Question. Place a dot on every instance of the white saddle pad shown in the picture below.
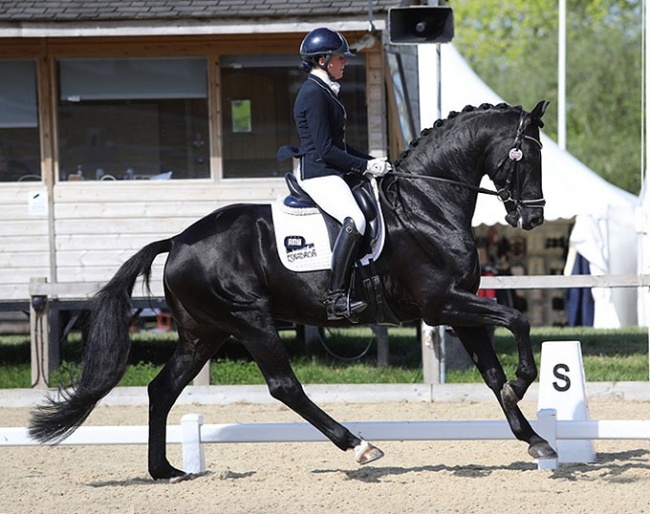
(302, 239)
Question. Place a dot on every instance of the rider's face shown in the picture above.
(336, 66)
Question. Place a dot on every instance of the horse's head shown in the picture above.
(515, 167)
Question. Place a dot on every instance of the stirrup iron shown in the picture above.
(339, 306)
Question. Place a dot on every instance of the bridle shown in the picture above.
(514, 156)
(505, 193)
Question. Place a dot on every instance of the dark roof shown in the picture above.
(129, 10)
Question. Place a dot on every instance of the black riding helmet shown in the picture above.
(323, 42)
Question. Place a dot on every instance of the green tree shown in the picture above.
(513, 46)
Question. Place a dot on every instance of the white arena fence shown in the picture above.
(192, 434)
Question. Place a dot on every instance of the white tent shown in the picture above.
(604, 231)
(643, 254)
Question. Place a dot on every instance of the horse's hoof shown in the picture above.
(508, 396)
(542, 450)
(167, 472)
(181, 478)
(187, 476)
(365, 452)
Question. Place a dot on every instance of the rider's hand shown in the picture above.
(378, 167)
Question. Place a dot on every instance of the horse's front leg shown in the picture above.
(467, 309)
(270, 355)
(476, 341)
(526, 372)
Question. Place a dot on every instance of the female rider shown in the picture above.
(325, 158)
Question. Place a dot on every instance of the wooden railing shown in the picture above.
(45, 353)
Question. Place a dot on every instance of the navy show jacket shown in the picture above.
(321, 122)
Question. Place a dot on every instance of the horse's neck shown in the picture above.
(438, 203)
(441, 230)
(453, 153)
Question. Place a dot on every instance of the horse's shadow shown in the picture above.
(147, 481)
(609, 467)
(376, 474)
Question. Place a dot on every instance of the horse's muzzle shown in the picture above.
(526, 218)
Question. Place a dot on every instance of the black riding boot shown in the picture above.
(345, 251)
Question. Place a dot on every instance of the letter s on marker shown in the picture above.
(559, 372)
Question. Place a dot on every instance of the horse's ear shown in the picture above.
(536, 114)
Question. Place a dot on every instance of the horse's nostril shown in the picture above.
(537, 220)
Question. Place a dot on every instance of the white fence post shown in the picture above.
(430, 343)
(203, 377)
(193, 456)
(547, 428)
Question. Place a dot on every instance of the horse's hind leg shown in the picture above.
(270, 355)
(190, 356)
(476, 341)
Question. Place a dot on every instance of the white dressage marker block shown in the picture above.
(193, 456)
(562, 387)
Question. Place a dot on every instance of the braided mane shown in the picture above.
(453, 116)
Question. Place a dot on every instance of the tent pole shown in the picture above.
(561, 77)
(645, 155)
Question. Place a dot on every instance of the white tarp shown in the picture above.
(604, 232)
(643, 254)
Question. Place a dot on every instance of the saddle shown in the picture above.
(363, 192)
(305, 235)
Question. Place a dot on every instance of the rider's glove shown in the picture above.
(378, 167)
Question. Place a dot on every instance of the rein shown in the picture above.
(504, 194)
(447, 181)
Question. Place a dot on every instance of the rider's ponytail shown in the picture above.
(306, 66)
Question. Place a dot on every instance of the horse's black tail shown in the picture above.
(106, 351)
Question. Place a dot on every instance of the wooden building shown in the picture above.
(122, 122)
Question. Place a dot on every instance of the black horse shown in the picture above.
(223, 277)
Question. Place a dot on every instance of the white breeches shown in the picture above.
(333, 195)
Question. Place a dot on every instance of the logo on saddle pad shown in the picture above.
(297, 248)
(302, 239)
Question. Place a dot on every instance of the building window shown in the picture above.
(124, 119)
(240, 111)
(20, 155)
(261, 90)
